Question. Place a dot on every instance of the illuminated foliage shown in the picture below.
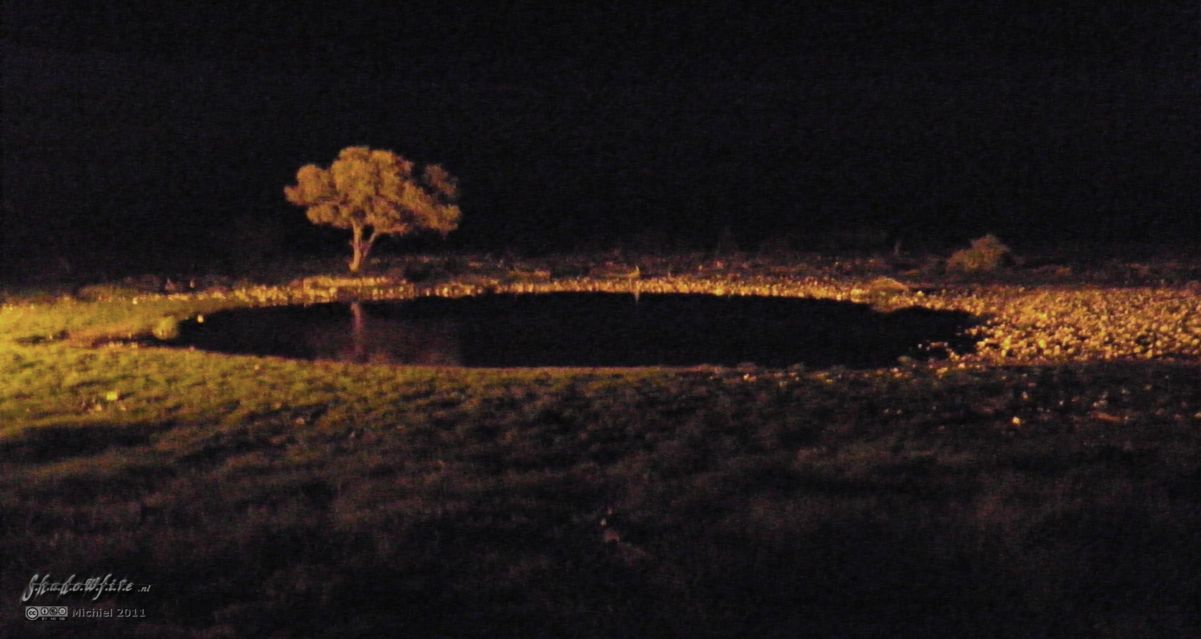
(373, 193)
(986, 255)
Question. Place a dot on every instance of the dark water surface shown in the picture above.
(583, 329)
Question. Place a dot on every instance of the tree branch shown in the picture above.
(372, 238)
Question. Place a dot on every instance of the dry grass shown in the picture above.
(1027, 490)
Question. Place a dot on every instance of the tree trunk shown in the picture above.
(360, 246)
(356, 245)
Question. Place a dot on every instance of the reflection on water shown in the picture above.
(382, 340)
(570, 329)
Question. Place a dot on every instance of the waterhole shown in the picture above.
(585, 329)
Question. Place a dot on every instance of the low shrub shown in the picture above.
(985, 255)
(886, 286)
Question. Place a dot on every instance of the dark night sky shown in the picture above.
(155, 129)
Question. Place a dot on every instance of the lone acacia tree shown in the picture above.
(377, 192)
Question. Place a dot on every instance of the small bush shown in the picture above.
(985, 255)
(886, 286)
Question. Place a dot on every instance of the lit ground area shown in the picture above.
(1041, 484)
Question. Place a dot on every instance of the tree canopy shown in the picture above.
(376, 191)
